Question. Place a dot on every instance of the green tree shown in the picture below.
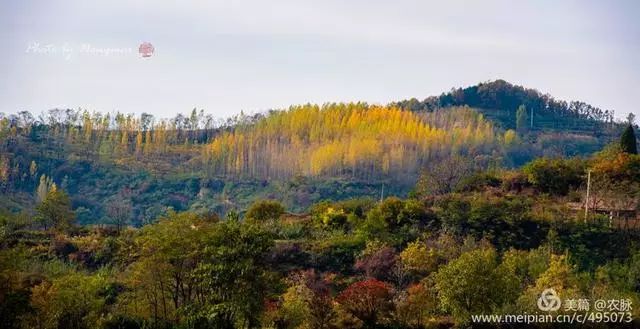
(556, 176)
(232, 277)
(473, 284)
(74, 300)
(628, 141)
(161, 279)
(521, 119)
(15, 289)
(419, 258)
(559, 276)
(265, 210)
(55, 210)
(295, 310)
(307, 303)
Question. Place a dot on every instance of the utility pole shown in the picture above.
(586, 204)
(532, 118)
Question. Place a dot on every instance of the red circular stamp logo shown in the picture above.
(146, 49)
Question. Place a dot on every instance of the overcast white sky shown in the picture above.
(227, 56)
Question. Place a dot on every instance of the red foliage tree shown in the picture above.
(367, 300)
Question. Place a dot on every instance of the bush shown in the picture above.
(123, 322)
(506, 222)
(336, 254)
(477, 182)
(555, 176)
(514, 181)
(287, 255)
(265, 210)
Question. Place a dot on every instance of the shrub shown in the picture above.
(477, 182)
(265, 210)
(555, 176)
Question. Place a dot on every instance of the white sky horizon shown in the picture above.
(252, 56)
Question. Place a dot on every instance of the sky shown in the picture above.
(228, 56)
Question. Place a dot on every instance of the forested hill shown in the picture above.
(299, 155)
(499, 100)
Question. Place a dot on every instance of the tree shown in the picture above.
(162, 279)
(295, 310)
(4, 171)
(628, 140)
(329, 217)
(265, 210)
(55, 210)
(74, 300)
(368, 300)
(614, 180)
(120, 213)
(521, 269)
(441, 177)
(419, 258)
(510, 137)
(416, 305)
(320, 303)
(378, 264)
(472, 284)
(33, 168)
(352, 139)
(307, 302)
(138, 148)
(559, 276)
(521, 119)
(232, 277)
(15, 289)
(556, 176)
(44, 187)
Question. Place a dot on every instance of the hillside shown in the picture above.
(503, 236)
(300, 155)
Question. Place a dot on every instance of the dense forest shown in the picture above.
(348, 140)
